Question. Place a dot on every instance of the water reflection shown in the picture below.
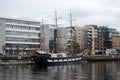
(83, 71)
(14, 72)
(61, 72)
(80, 71)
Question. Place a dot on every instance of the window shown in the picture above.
(17, 27)
(25, 28)
(22, 45)
(9, 26)
(114, 42)
(22, 33)
(21, 39)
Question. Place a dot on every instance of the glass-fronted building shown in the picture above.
(19, 36)
(47, 43)
(105, 35)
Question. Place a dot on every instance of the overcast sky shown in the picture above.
(98, 12)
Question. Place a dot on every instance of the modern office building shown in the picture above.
(66, 36)
(19, 36)
(48, 34)
(63, 40)
(71, 32)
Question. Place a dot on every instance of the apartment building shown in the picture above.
(115, 42)
(19, 36)
(87, 37)
(105, 37)
(95, 38)
(80, 31)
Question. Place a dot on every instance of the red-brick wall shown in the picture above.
(116, 42)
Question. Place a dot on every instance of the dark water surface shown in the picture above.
(79, 71)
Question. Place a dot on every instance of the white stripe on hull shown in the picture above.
(63, 60)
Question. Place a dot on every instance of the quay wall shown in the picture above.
(101, 57)
(16, 58)
(85, 57)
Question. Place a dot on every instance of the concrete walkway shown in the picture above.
(16, 63)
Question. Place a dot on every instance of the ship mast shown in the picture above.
(43, 37)
(71, 33)
(71, 24)
(71, 19)
(55, 34)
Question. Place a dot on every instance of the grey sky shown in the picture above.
(98, 12)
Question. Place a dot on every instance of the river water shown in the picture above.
(79, 71)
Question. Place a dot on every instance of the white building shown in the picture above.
(19, 36)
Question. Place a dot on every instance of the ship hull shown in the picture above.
(43, 60)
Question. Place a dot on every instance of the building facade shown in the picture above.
(80, 31)
(87, 37)
(63, 40)
(115, 42)
(19, 36)
(66, 37)
(47, 41)
(105, 37)
(95, 38)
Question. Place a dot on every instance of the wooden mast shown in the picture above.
(43, 37)
(71, 32)
(71, 23)
(55, 34)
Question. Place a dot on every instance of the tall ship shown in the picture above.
(45, 58)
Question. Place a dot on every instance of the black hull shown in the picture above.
(43, 60)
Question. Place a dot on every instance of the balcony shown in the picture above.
(70, 39)
(14, 48)
(22, 24)
(16, 36)
(11, 42)
(20, 30)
